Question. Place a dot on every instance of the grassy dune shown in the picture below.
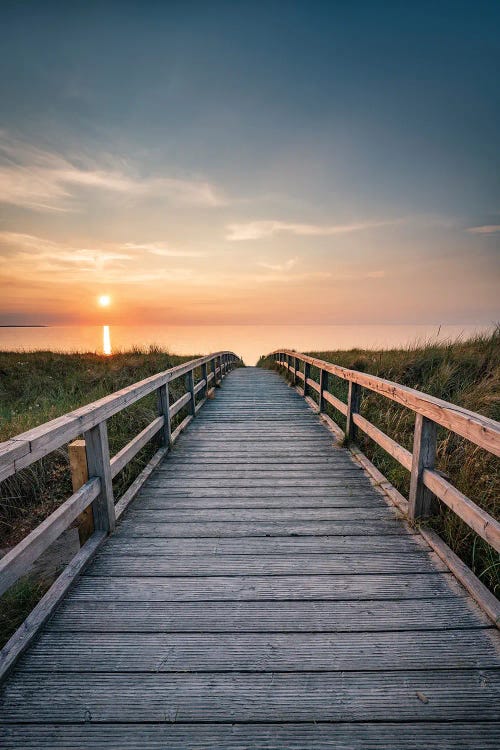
(36, 387)
(466, 373)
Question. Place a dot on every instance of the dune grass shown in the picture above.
(36, 387)
(466, 373)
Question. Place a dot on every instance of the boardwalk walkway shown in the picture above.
(259, 593)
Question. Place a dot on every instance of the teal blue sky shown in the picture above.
(250, 162)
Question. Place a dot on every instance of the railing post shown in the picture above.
(204, 375)
(295, 370)
(79, 475)
(323, 386)
(97, 448)
(213, 366)
(353, 404)
(164, 410)
(307, 372)
(190, 389)
(424, 456)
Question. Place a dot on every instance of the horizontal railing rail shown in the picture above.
(93, 471)
(426, 482)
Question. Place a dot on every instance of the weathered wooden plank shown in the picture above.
(257, 652)
(162, 499)
(273, 736)
(120, 565)
(265, 545)
(438, 613)
(253, 588)
(255, 482)
(274, 528)
(461, 695)
(257, 515)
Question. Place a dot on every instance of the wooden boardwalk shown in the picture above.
(259, 593)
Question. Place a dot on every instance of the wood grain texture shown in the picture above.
(259, 593)
(274, 736)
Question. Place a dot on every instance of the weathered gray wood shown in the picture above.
(487, 601)
(98, 462)
(121, 565)
(164, 411)
(47, 604)
(348, 696)
(323, 386)
(268, 652)
(224, 597)
(307, 370)
(271, 528)
(179, 404)
(122, 458)
(271, 736)
(353, 403)
(136, 485)
(265, 545)
(204, 377)
(253, 588)
(190, 390)
(18, 560)
(442, 613)
(257, 515)
(424, 454)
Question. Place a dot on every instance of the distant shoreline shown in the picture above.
(25, 326)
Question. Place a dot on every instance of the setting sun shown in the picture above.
(104, 300)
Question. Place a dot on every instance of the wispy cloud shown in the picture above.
(484, 229)
(161, 249)
(46, 181)
(28, 255)
(279, 267)
(256, 230)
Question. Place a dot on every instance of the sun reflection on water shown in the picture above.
(106, 340)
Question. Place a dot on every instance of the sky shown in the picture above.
(250, 162)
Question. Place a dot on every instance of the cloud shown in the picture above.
(45, 181)
(485, 229)
(256, 230)
(279, 267)
(28, 255)
(161, 249)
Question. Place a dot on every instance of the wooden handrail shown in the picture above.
(91, 421)
(480, 430)
(430, 411)
(28, 447)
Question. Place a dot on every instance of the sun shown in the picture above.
(104, 300)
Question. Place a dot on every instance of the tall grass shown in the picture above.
(466, 373)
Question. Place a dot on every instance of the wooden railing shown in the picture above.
(91, 464)
(425, 481)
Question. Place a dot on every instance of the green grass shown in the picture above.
(466, 373)
(36, 387)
